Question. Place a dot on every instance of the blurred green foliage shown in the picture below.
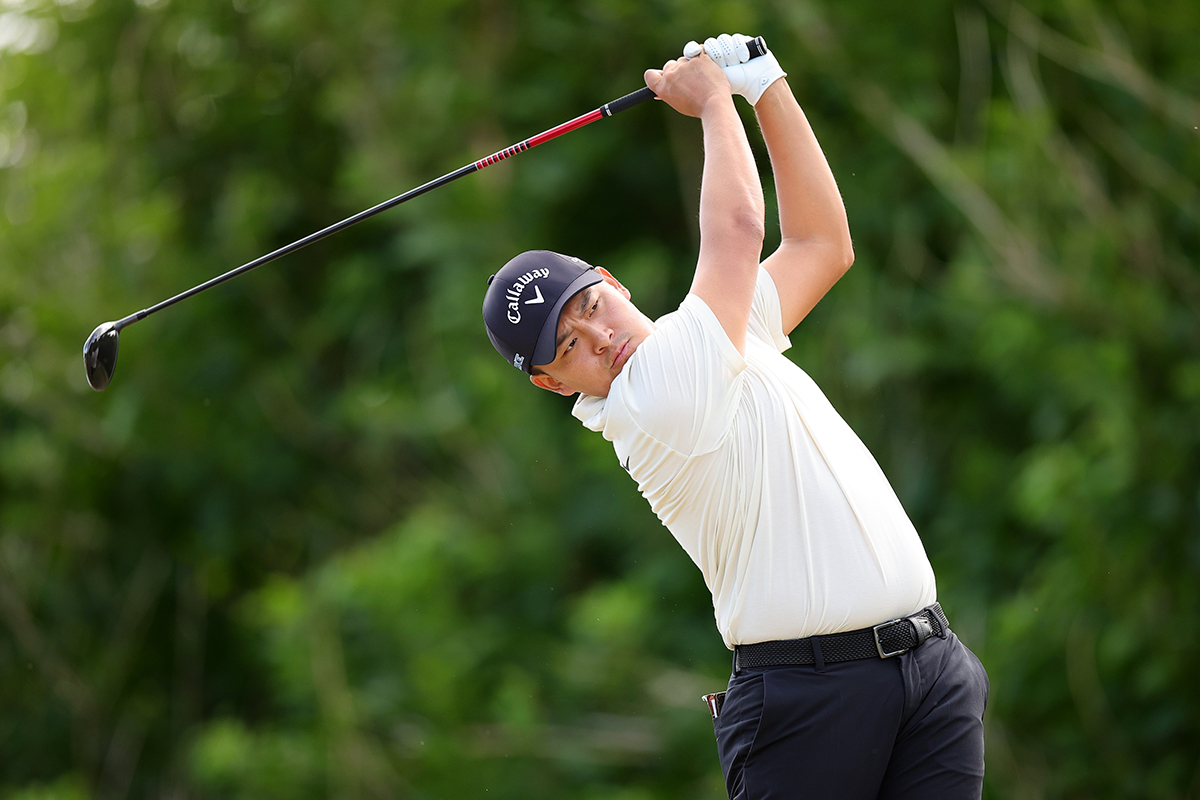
(318, 540)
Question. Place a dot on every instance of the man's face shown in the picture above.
(598, 331)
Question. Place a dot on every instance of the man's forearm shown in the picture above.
(731, 197)
(810, 206)
(815, 248)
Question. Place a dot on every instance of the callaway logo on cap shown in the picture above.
(524, 300)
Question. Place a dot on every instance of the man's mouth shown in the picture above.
(622, 352)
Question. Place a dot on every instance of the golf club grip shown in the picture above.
(757, 47)
(628, 101)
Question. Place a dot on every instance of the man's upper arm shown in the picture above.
(725, 276)
(803, 272)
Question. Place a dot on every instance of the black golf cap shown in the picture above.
(524, 300)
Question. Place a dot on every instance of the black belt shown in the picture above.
(884, 640)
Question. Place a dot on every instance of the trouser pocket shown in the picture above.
(736, 726)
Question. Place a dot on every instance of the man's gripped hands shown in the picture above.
(690, 87)
(748, 77)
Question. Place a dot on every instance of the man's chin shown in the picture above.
(596, 391)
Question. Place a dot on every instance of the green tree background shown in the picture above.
(318, 540)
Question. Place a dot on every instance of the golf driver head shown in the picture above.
(100, 355)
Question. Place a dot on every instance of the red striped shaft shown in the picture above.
(545, 136)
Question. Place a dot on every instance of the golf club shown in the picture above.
(100, 349)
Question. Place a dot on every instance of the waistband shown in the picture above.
(885, 640)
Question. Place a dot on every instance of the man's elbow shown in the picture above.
(845, 258)
(839, 252)
(749, 226)
(737, 231)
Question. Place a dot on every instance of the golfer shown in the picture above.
(847, 680)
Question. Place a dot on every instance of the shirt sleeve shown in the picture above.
(685, 381)
(766, 316)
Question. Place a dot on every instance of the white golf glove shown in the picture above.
(747, 77)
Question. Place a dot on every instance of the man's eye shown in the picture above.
(594, 306)
(570, 345)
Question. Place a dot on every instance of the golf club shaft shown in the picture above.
(756, 46)
(606, 110)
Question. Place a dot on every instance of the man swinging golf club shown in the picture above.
(847, 681)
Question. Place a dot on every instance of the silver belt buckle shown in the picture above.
(879, 646)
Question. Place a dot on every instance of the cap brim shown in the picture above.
(546, 347)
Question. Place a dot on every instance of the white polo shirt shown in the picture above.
(781, 506)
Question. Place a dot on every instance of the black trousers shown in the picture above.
(903, 727)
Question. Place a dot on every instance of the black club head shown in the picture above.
(100, 356)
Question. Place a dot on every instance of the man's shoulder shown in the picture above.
(614, 415)
(678, 385)
(765, 321)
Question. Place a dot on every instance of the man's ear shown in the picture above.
(613, 282)
(544, 381)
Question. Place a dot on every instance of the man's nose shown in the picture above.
(600, 334)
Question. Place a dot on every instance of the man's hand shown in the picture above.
(747, 77)
(689, 86)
